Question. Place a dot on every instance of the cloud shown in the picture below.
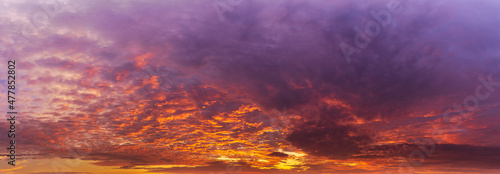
(169, 78)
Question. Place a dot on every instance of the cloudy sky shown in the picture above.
(253, 86)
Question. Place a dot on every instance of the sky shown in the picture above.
(252, 86)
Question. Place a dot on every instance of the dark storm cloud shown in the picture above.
(393, 77)
(444, 155)
(325, 137)
(466, 156)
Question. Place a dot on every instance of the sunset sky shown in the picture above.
(252, 86)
